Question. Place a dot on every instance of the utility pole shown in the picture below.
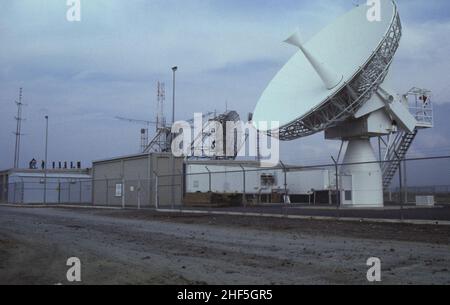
(174, 69)
(18, 132)
(46, 159)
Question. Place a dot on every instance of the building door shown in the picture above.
(347, 190)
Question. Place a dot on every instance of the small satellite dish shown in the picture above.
(338, 82)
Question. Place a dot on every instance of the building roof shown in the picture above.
(127, 157)
(223, 162)
(40, 174)
(248, 163)
(37, 172)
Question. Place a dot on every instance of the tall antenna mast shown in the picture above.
(144, 139)
(161, 98)
(18, 132)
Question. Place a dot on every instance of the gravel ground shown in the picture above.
(142, 247)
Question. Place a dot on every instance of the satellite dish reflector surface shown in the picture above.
(329, 77)
(333, 74)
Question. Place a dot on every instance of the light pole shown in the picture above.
(45, 162)
(174, 69)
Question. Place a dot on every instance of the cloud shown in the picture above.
(86, 73)
(423, 60)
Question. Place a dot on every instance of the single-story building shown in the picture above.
(260, 185)
(32, 186)
(141, 180)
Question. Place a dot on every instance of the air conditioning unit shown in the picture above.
(425, 201)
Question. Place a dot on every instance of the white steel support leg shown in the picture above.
(367, 184)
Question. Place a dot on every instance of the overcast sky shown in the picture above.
(83, 74)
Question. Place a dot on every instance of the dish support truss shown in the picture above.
(353, 94)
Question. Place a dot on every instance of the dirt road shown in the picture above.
(131, 247)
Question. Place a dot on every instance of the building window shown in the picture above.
(267, 180)
(118, 190)
(348, 196)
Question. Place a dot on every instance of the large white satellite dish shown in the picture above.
(359, 50)
(336, 83)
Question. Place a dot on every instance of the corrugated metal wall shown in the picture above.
(135, 177)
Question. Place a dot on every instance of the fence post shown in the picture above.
(209, 176)
(405, 178)
(156, 191)
(244, 199)
(338, 194)
(285, 199)
(400, 188)
(181, 187)
(81, 191)
(123, 193)
(336, 168)
(69, 185)
(139, 193)
(59, 191)
(22, 194)
(107, 191)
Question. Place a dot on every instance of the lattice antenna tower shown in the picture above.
(18, 132)
(161, 98)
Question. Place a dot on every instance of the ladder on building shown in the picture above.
(395, 153)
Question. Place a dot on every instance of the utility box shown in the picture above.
(425, 201)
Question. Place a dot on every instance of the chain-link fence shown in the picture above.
(160, 192)
(413, 188)
(420, 178)
(124, 193)
(54, 191)
(320, 190)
